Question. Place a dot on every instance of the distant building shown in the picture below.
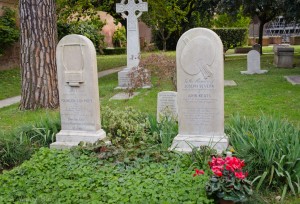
(277, 27)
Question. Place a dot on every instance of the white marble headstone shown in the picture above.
(200, 89)
(167, 105)
(78, 92)
(253, 63)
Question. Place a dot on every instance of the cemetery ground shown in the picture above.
(137, 168)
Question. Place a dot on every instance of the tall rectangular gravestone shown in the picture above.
(200, 91)
(78, 92)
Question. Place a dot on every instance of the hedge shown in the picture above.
(231, 37)
(114, 51)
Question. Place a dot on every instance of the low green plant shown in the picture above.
(164, 131)
(125, 127)
(271, 148)
(53, 176)
(228, 181)
(18, 145)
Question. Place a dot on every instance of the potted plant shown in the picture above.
(228, 182)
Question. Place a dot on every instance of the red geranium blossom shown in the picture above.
(198, 172)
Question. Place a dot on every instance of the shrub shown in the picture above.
(270, 148)
(119, 37)
(9, 32)
(86, 28)
(53, 176)
(125, 127)
(231, 37)
(114, 51)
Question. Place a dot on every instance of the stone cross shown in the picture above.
(128, 11)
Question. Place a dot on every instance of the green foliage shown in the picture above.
(79, 17)
(165, 130)
(9, 32)
(271, 149)
(228, 21)
(125, 127)
(231, 37)
(119, 37)
(18, 145)
(114, 51)
(53, 176)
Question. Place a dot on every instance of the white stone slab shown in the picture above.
(200, 89)
(78, 92)
(295, 80)
(253, 63)
(167, 105)
(123, 96)
(229, 83)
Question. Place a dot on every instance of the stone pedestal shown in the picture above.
(283, 56)
(127, 78)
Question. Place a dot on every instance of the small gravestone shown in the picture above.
(78, 92)
(200, 91)
(131, 11)
(253, 63)
(283, 56)
(256, 47)
(295, 80)
(167, 105)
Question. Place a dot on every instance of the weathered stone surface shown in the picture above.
(200, 87)
(167, 105)
(295, 80)
(78, 92)
(283, 56)
(253, 63)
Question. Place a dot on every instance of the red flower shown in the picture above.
(217, 170)
(233, 163)
(217, 162)
(239, 175)
(198, 172)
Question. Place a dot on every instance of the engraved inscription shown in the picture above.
(167, 105)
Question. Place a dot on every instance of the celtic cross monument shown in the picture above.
(131, 11)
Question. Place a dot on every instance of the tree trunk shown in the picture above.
(260, 34)
(164, 44)
(38, 50)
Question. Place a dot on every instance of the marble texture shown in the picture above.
(78, 92)
(200, 89)
(253, 63)
(131, 11)
(167, 105)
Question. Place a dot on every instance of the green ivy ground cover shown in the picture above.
(53, 176)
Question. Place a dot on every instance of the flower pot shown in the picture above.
(221, 201)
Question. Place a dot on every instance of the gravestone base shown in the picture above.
(124, 79)
(70, 138)
(256, 72)
(185, 143)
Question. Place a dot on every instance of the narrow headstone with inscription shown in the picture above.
(253, 63)
(167, 105)
(131, 11)
(200, 91)
(78, 92)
